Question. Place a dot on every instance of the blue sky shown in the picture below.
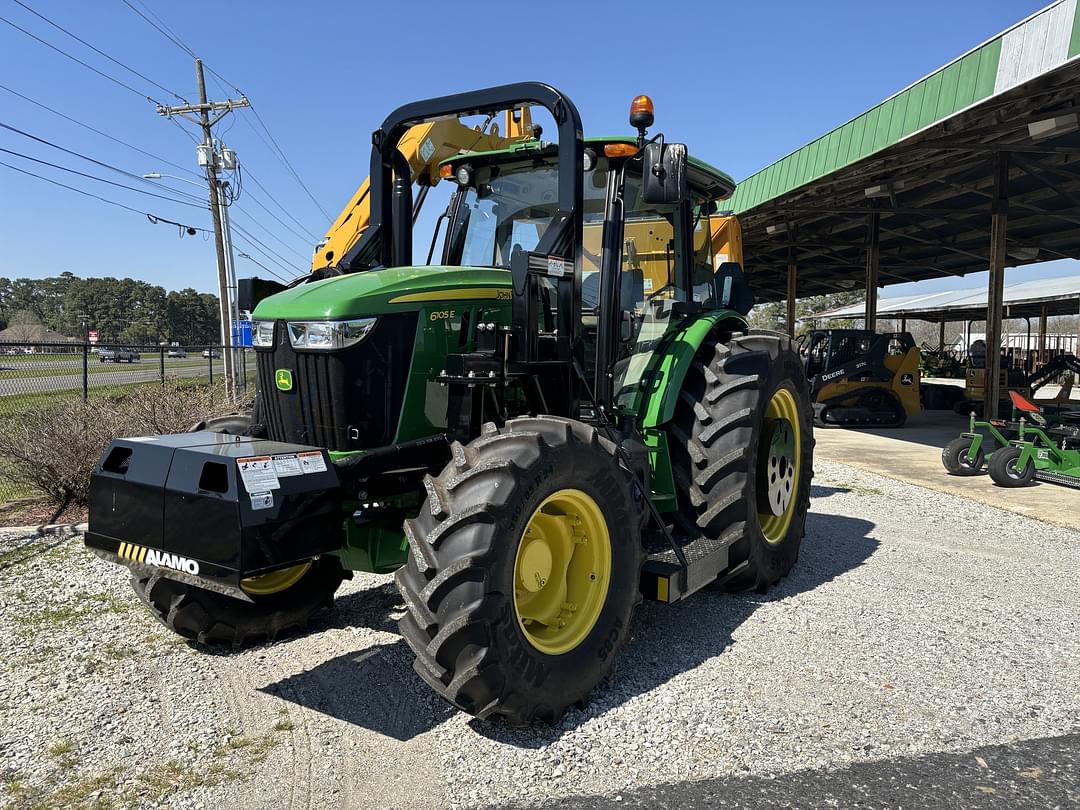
(742, 84)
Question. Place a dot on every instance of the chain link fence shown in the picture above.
(33, 375)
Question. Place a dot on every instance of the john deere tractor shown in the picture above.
(562, 414)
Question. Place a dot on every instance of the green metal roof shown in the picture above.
(1025, 51)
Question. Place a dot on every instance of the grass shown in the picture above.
(82, 606)
(61, 747)
(120, 787)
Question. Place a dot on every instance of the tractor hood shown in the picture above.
(372, 292)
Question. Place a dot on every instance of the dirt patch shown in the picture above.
(37, 513)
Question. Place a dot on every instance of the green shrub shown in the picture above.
(52, 449)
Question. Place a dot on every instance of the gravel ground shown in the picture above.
(914, 623)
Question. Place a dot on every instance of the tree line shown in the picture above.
(120, 310)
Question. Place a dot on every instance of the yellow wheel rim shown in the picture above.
(275, 581)
(562, 570)
(779, 465)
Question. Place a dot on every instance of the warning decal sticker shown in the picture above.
(287, 465)
(258, 473)
(311, 462)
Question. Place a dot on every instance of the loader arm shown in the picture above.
(424, 146)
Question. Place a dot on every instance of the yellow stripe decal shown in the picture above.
(122, 551)
(662, 589)
(142, 554)
(454, 295)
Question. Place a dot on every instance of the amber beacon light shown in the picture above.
(641, 113)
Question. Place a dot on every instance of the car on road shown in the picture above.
(211, 354)
(176, 354)
(118, 356)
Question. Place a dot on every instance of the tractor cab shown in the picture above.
(662, 257)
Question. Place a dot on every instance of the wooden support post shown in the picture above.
(999, 223)
(873, 257)
(1043, 353)
(941, 336)
(792, 270)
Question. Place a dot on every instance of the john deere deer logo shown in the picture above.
(283, 379)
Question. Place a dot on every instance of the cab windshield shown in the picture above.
(508, 208)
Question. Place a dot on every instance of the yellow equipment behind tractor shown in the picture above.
(862, 379)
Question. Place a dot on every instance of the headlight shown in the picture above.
(262, 333)
(329, 334)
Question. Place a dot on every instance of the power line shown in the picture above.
(90, 67)
(154, 218)
(95, 161)
(289, 165)
(99, 132)
(103, 180)
(100, 52)
(275, 274)
(272, 144)
(303, 238)
(162, 29)
(284, 244)
(284, 263)
(243, 242)
(273, 199)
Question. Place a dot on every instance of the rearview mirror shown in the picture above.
(664, 174)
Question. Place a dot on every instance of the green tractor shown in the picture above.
(566, 412)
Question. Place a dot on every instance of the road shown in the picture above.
(69, 376)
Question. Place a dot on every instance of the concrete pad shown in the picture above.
(913, 454)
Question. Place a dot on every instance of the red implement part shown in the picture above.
(1022, 403)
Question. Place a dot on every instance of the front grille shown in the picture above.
(342, 400)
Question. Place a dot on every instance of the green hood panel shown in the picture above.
(371, 292)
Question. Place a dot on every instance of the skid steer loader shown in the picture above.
(862, 379)
(530, 460)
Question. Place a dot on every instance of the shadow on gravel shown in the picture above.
(377, 689)
(821, 491)
(667, 640)
(1033, 773)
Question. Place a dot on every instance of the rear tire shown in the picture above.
(1003, 469)
(464, 584)
(212, 618)
(956, 459)
(720, 452)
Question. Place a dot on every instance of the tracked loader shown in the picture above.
(862, 379)
(563, 413)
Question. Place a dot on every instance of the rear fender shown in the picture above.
(674, 362)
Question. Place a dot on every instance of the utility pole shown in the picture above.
(209, 158)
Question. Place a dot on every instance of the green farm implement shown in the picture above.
(563, 413)
(1025, 451)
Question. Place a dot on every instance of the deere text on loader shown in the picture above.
(564, 414)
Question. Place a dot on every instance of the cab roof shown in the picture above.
(715, 184)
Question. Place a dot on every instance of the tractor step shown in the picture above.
(664, 579)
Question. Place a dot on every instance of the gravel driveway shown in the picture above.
(914, 625)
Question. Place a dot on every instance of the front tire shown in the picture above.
(1004, 470)
(957, 459)
(742, 454)
(283, 602)
(524, 569)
